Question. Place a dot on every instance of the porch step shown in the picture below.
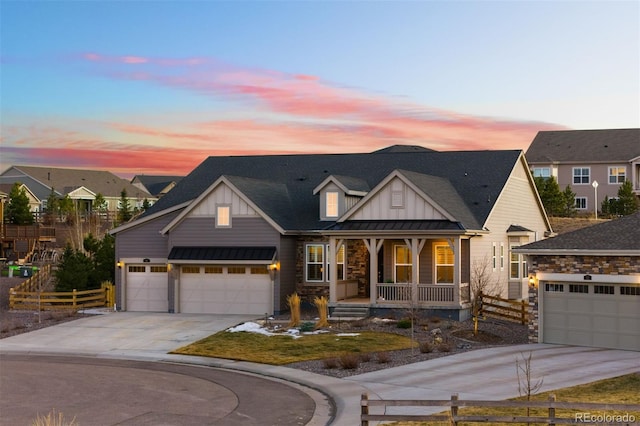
(350, 312)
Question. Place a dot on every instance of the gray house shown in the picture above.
(586, 286)
(384, 230)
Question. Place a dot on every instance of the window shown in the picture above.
(581, 203)
(501, 256)
(578, 288)
(223, 216)
(236, 270)
(581, 175)
(159, 268)
(213, 269)
(603, 289)
(444, 264)
(190, 269)
(554, 288)
(332, 204)
(493, 255)
(397, 199)
(402, 264)
(617, 174)
(137, 269)
(517, 265)
(259, 270)
(543, 172)
(317, 264)
(630, 291)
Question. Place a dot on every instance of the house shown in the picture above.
(34, 201)
(80, 185)
(594, 162)
(156, 185)
(389, 229)
(586, 286)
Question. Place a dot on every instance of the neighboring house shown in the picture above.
(156, 185)
(393, 229)
(586, 286)
(80, 185)
(582, 157)
(34, 202)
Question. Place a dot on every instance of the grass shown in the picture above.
(618, 390)
(281, 350)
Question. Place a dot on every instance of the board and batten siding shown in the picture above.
(285, 283)
(244, 231)
(145, 240)
(222, 195)
(415, 207)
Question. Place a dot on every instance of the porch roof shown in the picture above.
(224, 254)
(394, 226)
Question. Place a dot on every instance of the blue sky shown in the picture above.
(156, 86)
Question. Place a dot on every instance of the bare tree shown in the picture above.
(482, 280)
(526, 386)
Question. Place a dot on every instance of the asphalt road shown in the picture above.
(101, 392)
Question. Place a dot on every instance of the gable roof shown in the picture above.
(477, 176)
(619, 235)
(350, 185)
(593, 146)
(63, 181)
(155, 184)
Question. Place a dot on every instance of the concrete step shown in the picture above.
(350, 312)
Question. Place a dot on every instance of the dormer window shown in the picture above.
(223, 217)
(332, 204)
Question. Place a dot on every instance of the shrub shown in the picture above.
(384, 357)
(330, 363)
(365, 357)
(350, 361)
(53, 419)
(444, 347)
(404, 323)
(307, 327)
(425, 347)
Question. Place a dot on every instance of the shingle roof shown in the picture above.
(478, 177)
(66, 180)
(256, 254)
(619, 234)
(610, 145)
(155, 184)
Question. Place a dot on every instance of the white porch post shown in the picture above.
(416, 245)
(373, 246)
(457, 270)
(333, 270)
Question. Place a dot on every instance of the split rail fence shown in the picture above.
(583, 412)
(30, 295)
(504, 308)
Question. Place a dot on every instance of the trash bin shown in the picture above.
(14, 271)
(26, 271)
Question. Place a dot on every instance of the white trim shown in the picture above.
(148, 218)
(595, 278)
(566, 252)
(336, 181)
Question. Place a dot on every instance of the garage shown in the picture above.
(225, 289)
(605, 315)
(147, 288)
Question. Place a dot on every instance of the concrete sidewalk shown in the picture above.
(481, 374)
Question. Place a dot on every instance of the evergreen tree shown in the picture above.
(145, 205)
(606, 207)
(627, 201)
(569, 198)
(124, 211)
(550, 195)
(74, 271)
(104, 259)
(67, 209)
(53, 207)
(18, 210)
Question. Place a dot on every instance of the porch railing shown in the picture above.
(427, 293)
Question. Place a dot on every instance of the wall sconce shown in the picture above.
(532, 280)
(120, 264)
(272, 270)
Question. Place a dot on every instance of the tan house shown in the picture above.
(594, 162)
(380, 231)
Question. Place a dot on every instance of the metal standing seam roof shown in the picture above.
(282, 185)
(256, 254)
(397, 225)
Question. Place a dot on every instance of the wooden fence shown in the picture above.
(504, 308)
(31, 295)
(583, 411)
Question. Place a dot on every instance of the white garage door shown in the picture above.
(598, 315)
(147, 288)
(235, 289)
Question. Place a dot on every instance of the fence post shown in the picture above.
(523, 312)
(364, 409)
(12, 296)
(74, 299)
(454, 409)
(552, 409)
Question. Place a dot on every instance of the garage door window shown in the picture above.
(137, 269)
(578, 288)
(554, 288)
(213, 269)
(603, 289)
(630, 291)
(259, 270)
(159, 268)
(190, 269)
(236, 270)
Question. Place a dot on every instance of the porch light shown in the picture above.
(272, 270)
(532, 280)
(120, 264)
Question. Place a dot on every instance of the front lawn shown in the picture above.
(284, 349)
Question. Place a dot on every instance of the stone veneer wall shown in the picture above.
(572, 264)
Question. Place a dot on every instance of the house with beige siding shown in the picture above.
(396, 228)
(594, 162)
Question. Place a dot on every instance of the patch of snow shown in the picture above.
(347, 334)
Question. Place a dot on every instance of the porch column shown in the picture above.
(373, 246)
(457, 270)
(416, 245)
(333, 270)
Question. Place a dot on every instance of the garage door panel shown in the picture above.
(608, 318)
(146, 291)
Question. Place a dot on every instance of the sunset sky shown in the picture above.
(154, 87)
